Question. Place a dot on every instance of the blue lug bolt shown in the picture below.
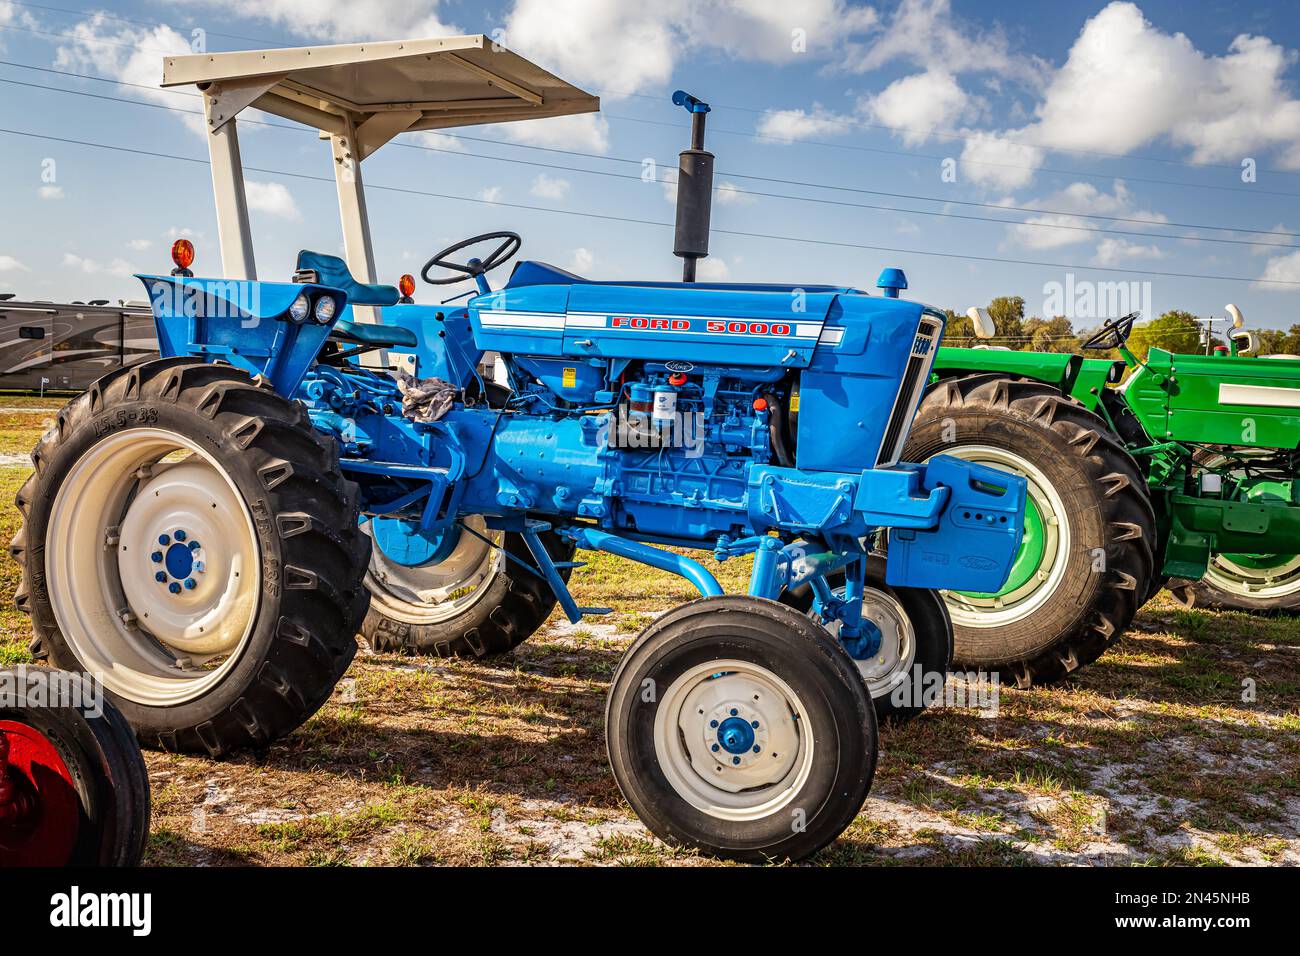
(735, 760)
(164, 540)
(713, 723)
(194, 546)
(174, 587)
(179, 535)
(156, 557)
(734, 712)
(160, 577)
(756, 748)
(754, 724)
(715, 748)
(190, 584)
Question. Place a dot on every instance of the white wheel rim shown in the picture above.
(158, 641)
(1282, 580)
(435, 593)
(693, 719)
(970, 611)
(1256, 583)
(892, 662)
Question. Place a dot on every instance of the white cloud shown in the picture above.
(1113, 252)
(926, 32)
(712, 269)
(1281, 269)
(437, 140)
(274, 199)
(10, 264)
(182, 232)
(139, 245)
(549, 187)
(1127, 84)
(130, 54)
(917, 104)
(729, 194)
(787, 126)
(343, 21)
(50, 192)
(627, 46)
(990, 160)
(490, 194)
(582, 131)
(1068, 208)
(118, 267)
(581, 261)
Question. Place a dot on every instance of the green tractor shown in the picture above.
(1182, 474)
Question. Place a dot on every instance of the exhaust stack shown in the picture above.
(694, 189)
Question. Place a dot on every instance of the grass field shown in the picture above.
(1150, 756)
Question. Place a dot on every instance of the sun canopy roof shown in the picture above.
(359, 95)
(393, 86)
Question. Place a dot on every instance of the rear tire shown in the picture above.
(737, 726)
(1098, 528)
(237, 656)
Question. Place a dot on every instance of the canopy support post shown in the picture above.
(233, 232)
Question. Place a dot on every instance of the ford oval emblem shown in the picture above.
(977, 562)
(679, 366)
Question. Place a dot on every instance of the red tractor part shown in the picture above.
(74, 790)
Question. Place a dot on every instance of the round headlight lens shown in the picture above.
(298, 311)
(325, 307)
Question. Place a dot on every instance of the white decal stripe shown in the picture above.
(1267, 395)
(832, 336)
(511, 320)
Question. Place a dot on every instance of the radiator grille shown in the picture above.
(915, 378)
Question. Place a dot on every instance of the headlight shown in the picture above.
(325, 307)
(298, 311)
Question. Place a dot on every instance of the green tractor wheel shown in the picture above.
(1087, 558)
(1259, 583)
(1245, 582)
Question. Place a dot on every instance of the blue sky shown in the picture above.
(1134, 112)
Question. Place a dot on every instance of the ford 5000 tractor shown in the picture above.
(210, 530)
(1183, 474)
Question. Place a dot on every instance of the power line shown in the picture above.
(745, 192)
(605, 217)
(975, 162)
(762, 111)
(821, 144)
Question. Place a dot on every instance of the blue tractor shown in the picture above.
(311, 458)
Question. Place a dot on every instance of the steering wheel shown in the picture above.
(474, 267)
(1113, 333)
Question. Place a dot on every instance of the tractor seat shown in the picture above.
(333, 272)
(371, 333)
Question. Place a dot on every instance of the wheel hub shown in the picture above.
(176, 535)
(179, 563)
(731, 738)
(738, 735)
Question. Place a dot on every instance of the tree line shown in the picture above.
(1173, 331)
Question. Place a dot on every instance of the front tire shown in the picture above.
(914, 632)
(1087, 559)
(487, 603)
(737, 726)
(189, 536)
